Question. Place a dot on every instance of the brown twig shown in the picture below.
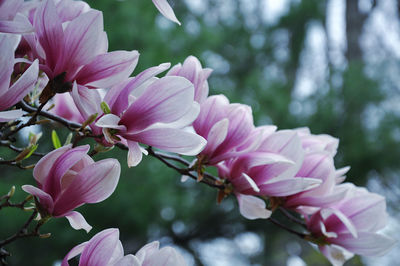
(209, 179)
(290, 230)
(69, 124)
(30, 122)
(16, 149)
(291, 217)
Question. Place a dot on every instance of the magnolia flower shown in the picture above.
(318, 165)
(105, 249)
(192, 70)
(267, 171)
(166, 10)
(322, 143)
(11, 21)
(350, 226)
(146, 110)
(13, 89)
(76, 51)
(225, 126)
(68, 178)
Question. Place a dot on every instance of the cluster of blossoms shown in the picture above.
(58, 49)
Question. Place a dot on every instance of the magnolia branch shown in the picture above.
(67, 123)
(24, 231)
(186, 168)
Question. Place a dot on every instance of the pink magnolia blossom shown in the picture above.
(147, 110)
(322, 143)
(13, 90)
(105, 249)
(76, 51)
(68, 178)
(166, 10)
(193, 71)
(11, 20)
(351, 226)
(268, 171)
(318, 165)
(225, 126)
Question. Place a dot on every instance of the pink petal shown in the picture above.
(9, 8)
(134, 154)
(166, 256)
(147, 250)
(77, 221)
(336, 254)
(316, 200)
(93, 184)
(250, 182)
(43, 167)
(21, 87)
(288, 144)
(240, 127)
(286, 187)
(7, 48)
(211, 111)
(367, 244)
(99, 249)
(186, 120)
(128, 260)
(166, 10)
(82, 38)
(75, 251)
(87, 101)
(217, 135)
(110, 121)
(68, 10)
(61, 166)
(253, 159)
(252, 207)
(117, 254)
(66, 108)
(6, 116)
(118, 96)
(46, 201)
(326, 212)
(171, 139)
(108, 69)
(340, 174)
(49, 32)
(165, 101)
(19, 25)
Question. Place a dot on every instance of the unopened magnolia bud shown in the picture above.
(11, 192)
(45, 235)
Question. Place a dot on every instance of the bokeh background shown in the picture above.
(330, 65)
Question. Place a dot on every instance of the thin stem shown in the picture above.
(16, 149)
(23, 231)
(173, 158)
(290, 230)
(17, 164)
(211, 181)
(7, 203)
(292, 217)
(31, 122)
(69, 124)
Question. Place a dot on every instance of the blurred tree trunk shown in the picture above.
(354, 26)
